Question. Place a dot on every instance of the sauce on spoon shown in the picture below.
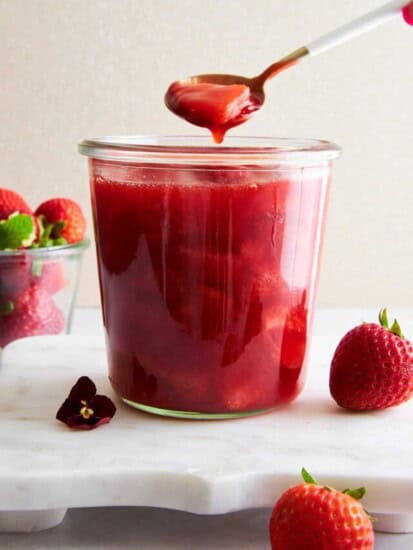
(221, 101)
(217, 107)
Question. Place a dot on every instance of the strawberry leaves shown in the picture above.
(383, 319)
(25, 231)
(50, 233)
(308, 478)
(357, 494)
(17, 231)
(384, 322)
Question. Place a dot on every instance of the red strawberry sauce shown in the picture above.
(213, 106)
(207, 276)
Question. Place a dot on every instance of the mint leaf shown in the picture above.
(16, 232)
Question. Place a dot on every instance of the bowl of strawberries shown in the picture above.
(40, 257)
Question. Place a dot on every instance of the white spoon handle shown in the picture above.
(356, 27)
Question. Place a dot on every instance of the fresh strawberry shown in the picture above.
(315, 517)
(372, 367)
(66, 218)
(248, 379)
(50, 276)
(11, 202)
(294, 343)
(15, 275)
(32, 313)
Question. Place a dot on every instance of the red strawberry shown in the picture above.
(315, 517)
(32, 313)
(52, 277)
(372, 367)
(249, 379)
(11, 202)
(15, 276)
(67, 217)
(294, 343)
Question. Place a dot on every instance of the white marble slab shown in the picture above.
(197, 466)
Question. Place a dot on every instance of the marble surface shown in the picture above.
(203, 467)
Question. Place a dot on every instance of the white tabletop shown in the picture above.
(149, 528)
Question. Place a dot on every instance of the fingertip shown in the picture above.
(408, 14)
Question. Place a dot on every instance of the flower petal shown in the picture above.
(79, 423)
(84, 389)
(81, 403)
(69, 408)
(102, 406)
(76, 420)
(102, 421)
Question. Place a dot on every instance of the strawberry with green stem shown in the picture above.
(50, 275)
(50, 234)
(63, 222)
(372, 367)
(310, 516)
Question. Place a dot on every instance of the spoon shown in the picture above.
(222, 101)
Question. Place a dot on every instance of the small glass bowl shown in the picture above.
(38, 290)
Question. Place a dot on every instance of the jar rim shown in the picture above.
(46, 252)
(239, 150)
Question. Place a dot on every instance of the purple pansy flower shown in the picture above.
(83, 409)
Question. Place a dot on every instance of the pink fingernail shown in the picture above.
(408, 14)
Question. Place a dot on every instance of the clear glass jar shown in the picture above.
(38, 290)
(208, 260)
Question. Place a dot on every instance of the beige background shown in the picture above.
(71, 69)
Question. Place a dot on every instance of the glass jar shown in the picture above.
(208, 261)
(38, 290)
